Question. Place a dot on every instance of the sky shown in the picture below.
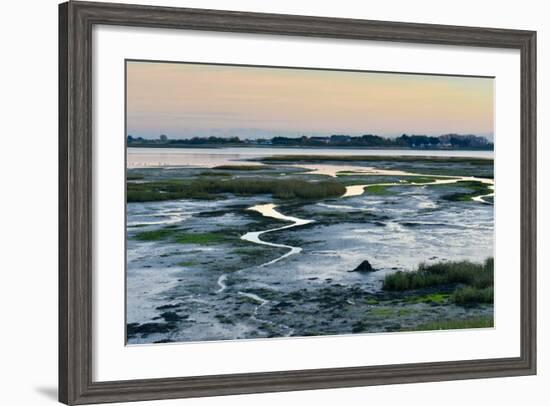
(183, 100)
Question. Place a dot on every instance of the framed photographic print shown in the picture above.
(259, 202)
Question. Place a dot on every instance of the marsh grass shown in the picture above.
(210, 188)
(475, 189)
(443, 273)
(432, 298)
(473, 283)
(182, 237)
(455, 324)
(379, 190)
(471, 295)
(200, 238)
(422, 179)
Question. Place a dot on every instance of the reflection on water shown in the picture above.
(208, 157)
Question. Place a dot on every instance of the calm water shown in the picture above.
(207, 157)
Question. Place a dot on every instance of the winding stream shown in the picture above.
(357, 190)
(268, 210)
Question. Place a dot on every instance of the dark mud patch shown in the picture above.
(143, 330)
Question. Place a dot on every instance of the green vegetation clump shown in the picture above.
(182, 237)
(166, 190)
(207, 188)
(456, 324)
(379, 190)
(442, 273)
(472, 295)
(199, 238)
(432, 298)
(475, 189)
(473, 282)
(422, 179)
(134, 177)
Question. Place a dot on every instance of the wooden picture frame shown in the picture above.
(76, 20)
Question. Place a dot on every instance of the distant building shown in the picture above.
(322, 140)
(338, 138)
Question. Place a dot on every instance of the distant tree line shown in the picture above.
(446, 141)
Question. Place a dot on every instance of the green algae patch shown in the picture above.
(455, 324)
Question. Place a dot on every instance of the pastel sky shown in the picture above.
(183, 100)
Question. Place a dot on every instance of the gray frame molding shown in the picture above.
(75, 199)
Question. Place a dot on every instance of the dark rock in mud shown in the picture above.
(283, 304)
(364, 266)
(411, 224)
(213, 213)
(223, 319)
(168, 306)
(172, 316)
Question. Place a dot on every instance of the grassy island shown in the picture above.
(206, 188)
(472, 282)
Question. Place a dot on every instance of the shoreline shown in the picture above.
(319, 147)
